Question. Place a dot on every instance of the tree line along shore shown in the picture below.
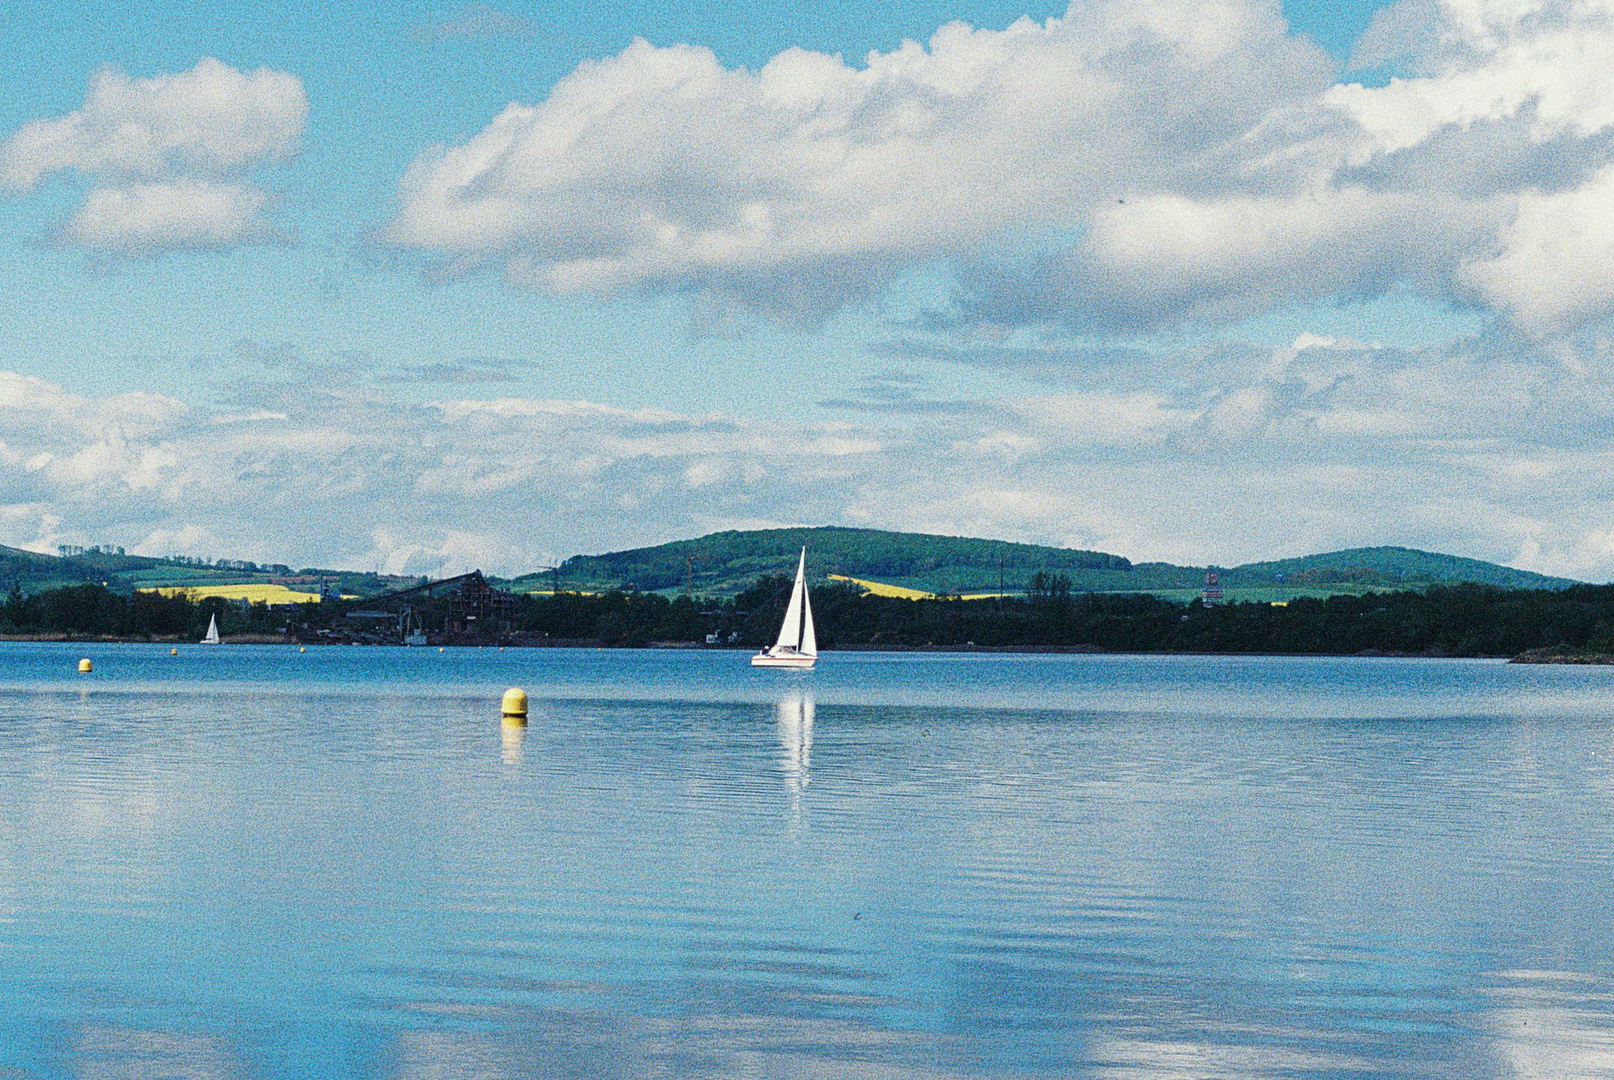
(1567, 625)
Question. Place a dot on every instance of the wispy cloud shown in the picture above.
(1476, 448)
(461, 371)
(899, 393)
(471, 21)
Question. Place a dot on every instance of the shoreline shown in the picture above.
(59, 636)
(1533, 656)
(1559, 655)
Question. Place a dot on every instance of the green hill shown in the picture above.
(32, 572)
(1388, 567)
(724, 563)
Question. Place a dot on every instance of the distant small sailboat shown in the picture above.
(797, 646)
(212, 637)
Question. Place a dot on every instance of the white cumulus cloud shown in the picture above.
(812, 181)
(1555, 266)
(165, 155)
(184, 213)
(1482, 179)
(1172, 161)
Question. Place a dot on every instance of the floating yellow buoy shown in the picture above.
(514, 705)
(439, 648)
(302, 648)
(84, 667)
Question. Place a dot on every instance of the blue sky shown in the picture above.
(1185, 281)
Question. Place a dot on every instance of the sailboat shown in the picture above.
(212, 637)
(797, 646)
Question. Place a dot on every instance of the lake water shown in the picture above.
(249, 862)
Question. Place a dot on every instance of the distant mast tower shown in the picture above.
(1211, 594)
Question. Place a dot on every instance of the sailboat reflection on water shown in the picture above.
(795, 725)
(795, 720)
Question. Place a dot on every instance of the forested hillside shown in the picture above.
(725, 563)
(30, 571)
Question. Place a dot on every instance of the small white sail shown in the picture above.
(809, 639)
(212, 637)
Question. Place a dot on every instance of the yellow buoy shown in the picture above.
(84, 667)
(439, 648)
(173, 652)
(302, 648)
(514, 705)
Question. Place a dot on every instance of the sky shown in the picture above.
(426, 287)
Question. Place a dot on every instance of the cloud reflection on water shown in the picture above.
(1124, 1058)
(1546, 1029)
(120, 1053)
(1547, 1026)
(596, 1046)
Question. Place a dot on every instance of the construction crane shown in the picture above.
(555, 585)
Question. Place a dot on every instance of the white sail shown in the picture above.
(790, 631)
(809, 639)
(212, 637)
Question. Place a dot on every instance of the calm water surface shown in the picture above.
(249, 862)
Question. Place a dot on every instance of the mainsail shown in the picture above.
(790, 631)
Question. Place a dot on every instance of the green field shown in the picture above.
(31, 572)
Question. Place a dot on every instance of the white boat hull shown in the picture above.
(784, 660)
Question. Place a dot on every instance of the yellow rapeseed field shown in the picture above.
(880, 588)
(257, 592)
(902, 592)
